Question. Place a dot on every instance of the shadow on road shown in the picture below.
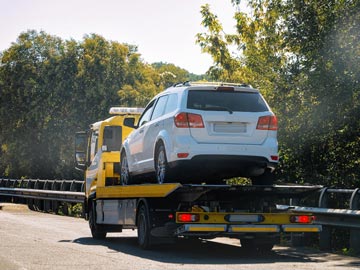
(199, 252)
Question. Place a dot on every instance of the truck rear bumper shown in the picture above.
(188, 229)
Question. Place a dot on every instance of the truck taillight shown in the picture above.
(302, 219)
(188, 217)
(188, 120)
(267, 123)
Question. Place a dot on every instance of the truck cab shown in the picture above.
(97, 150)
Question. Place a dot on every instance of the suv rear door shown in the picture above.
(230, 117)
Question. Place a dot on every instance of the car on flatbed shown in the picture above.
(202, 132)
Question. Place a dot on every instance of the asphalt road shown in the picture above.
(32, 240)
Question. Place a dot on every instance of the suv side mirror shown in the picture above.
(80, 150)
(130, 122)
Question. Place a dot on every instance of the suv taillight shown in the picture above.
(267, 123)
(188, 120)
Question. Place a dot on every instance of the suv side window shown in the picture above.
(171, 104)
(145, 117)
(159, 107)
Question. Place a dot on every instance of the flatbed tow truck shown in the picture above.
(161, 213)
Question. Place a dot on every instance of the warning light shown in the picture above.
(188, 217)
(302, 219)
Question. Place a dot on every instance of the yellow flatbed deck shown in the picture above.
(192, 192)
(136, 191)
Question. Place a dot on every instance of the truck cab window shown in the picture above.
(112, 138)
(93, 145)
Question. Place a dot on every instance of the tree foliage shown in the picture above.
(51, 88)
(305, 58)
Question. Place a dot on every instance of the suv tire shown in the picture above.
(125, 178)
(162, 169)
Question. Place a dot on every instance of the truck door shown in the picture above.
(93, 157)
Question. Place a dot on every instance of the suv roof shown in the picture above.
(189, 83)
(211, 86)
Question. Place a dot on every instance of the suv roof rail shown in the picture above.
(190, 83)
(179, 84)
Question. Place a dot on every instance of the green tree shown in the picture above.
(50, 88)
(304, 57)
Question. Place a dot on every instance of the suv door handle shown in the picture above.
(141, 131)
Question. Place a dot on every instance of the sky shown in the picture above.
(163, 30)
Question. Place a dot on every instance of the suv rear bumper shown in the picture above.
(258, 153)
(215, 167)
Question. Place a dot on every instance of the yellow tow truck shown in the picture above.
(163, 212)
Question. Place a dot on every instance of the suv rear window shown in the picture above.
(226, 101)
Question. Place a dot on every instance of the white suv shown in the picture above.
(196, 133)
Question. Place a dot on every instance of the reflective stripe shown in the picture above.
(254, 228)
(301, 228)
(204, 228)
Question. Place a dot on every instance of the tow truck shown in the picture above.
(162, 213)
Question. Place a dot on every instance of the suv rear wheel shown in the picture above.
(162, 169)
(125, 178)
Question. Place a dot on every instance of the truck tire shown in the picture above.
(143, 228)
(125, 178)
(162, 169)
(96, 231)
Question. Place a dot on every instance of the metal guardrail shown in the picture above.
(43, 195)
(333, 217)
(348, 216)
(39, 194)
(61, 185)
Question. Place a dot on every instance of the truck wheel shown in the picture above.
(125, 178)
(162, 169)
(143, 228)
(96, 230)
(267, 178)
